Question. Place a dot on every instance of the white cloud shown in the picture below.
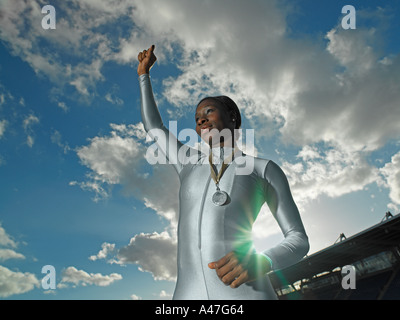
(81, 277)
(17, 114)
(27, 123)
(106, 250)
(153, 252)
(92, 186)
(165, 296)
(7, 242)
(114, 159)
(135, 297)
(75, 36)
(332, 172)
(3, 124)
(352, 49)
(391, 173)
(14, 282)
(63, 106)
(5, 239)
(130, 130)
(6, 254)
(112, 98)
(308, 153)
(57, 139)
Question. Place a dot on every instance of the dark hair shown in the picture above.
(230, 105)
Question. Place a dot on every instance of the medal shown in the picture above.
(220, 197)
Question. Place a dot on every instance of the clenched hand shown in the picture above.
(146, 60)
(234, 272)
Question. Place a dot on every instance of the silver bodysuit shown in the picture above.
(207, 232)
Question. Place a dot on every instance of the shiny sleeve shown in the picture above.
(295, 244)
(166, 141)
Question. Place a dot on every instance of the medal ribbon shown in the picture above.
(217, 177)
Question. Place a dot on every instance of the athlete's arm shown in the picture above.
(153, 124)
(280, 201)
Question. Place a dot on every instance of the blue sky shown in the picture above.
(75, 189)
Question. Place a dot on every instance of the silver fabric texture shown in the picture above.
(207, 232)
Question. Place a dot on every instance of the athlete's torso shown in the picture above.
(207, 232)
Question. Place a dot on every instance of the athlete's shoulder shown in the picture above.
(256, 165)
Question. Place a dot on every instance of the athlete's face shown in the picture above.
(210, 114)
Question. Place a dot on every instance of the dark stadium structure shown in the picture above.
(373, 253)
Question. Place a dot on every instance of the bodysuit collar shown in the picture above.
(221, 153)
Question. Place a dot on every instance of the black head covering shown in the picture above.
(230, 105)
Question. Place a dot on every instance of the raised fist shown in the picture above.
(146, 60)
